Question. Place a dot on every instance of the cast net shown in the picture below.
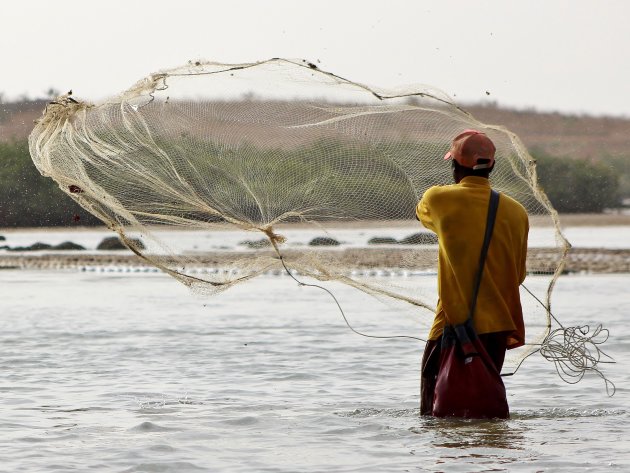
(290, 166)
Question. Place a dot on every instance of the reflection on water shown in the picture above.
(460, 433)
(560, 413)
(385, 413)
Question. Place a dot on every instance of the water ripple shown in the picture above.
(150, 427)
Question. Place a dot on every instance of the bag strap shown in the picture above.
(492, 213)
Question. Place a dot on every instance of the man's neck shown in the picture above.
(458, 176)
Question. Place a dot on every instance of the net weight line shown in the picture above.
(345, 319)
(275, 239)
(573, 350)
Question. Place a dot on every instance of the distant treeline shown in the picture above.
(30, 200)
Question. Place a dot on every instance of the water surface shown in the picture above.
(130, 373)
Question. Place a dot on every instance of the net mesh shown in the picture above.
(277, 154)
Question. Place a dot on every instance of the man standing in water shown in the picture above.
(457, 214)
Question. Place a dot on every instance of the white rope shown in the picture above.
(576, 351)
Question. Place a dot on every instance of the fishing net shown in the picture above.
(289, 165)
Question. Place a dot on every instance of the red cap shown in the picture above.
(470, 146)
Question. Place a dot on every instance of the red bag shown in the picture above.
(468, 383)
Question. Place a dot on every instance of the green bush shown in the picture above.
(578, 186)
(621, 166)
(29, 199)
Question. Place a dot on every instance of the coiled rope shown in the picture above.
(574, 351)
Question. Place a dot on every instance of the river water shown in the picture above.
(131, 372)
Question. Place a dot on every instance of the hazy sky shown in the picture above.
(571, 56)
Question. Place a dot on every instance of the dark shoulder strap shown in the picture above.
(492, 213)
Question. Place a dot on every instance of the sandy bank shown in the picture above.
(595, 260)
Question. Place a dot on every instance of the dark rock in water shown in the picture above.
(137, 243)
(68, 245)
(420, 238)
(115, 243)
(324, 241)
(111, 243)
(255, 244)
(5, 247)
(2, 238)
(382, 241)
(34, 247)
(39, 246)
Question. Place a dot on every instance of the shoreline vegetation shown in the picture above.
(572, 186)
(583, 165)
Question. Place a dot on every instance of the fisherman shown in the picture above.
(457, 214)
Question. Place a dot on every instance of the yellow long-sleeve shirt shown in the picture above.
(457, 214)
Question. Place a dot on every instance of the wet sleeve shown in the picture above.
(523, 262)
(423, 212)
